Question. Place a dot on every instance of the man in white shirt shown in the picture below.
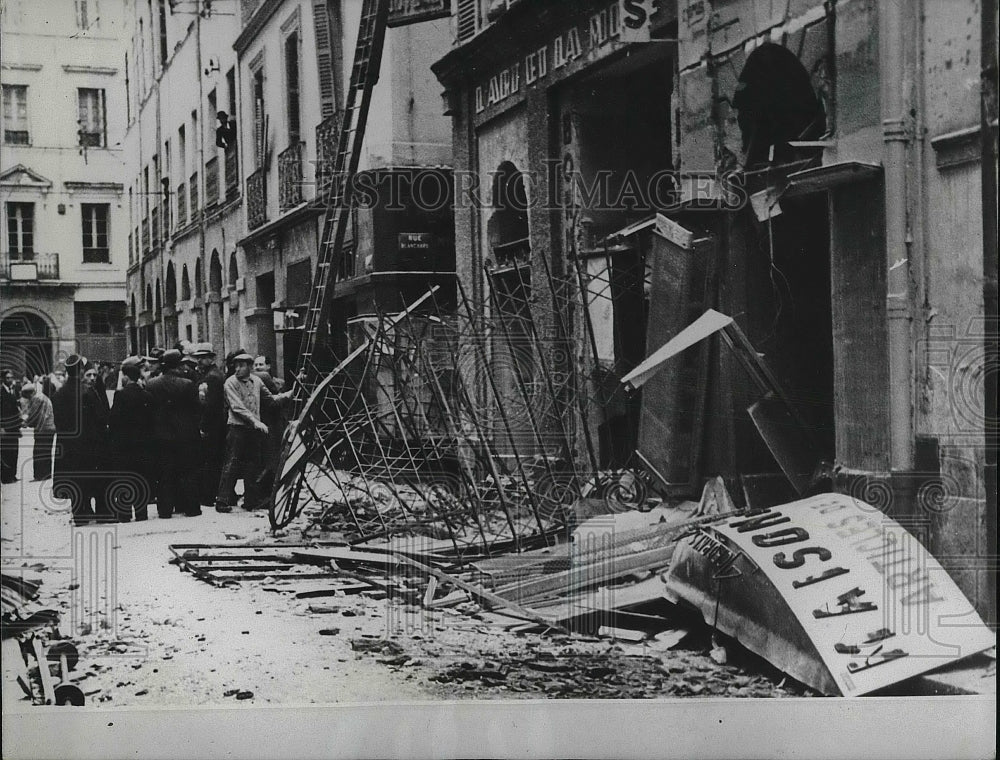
(245, 393)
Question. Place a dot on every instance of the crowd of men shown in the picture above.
(179, 431)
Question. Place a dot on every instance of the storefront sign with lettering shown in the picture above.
(623, 22)
(873, 603)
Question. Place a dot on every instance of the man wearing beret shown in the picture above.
(245, 396)
(131, 423)
(175, 429)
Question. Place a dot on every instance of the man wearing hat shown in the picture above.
(153, 363)
(245, 396)
(213, 422)
(131, 423)
(175, 429)
(81, 419)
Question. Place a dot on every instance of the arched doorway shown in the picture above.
(25, 344)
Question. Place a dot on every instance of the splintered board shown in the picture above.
(229, 563)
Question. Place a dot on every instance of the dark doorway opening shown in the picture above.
(25, 345)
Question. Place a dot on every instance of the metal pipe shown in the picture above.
(894, 30)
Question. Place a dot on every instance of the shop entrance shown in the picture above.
(614, 136)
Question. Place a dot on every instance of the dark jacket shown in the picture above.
(176, 411)
(81, 417)
(132, 423)
(213, 410)
(10, 411)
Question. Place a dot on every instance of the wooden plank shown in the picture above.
(587, 576)
(514, 610)
(48, 689)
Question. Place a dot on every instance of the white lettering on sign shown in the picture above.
(536, 65)
(501, 86)
(877, 606)
(624, 21)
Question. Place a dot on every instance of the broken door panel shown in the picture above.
(674, 399)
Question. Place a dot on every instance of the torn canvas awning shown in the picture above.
(830, 591)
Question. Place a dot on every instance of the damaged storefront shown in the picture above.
(762, 163)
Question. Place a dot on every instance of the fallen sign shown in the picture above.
(829, 590)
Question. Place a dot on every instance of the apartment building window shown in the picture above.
(259, 117)
(15, 114)
(87, 14)
(231, 91)
(99, 317)
(292, 86)
(93, 121)
(21, 230)
(213, 109)
(95, 233)
(163, 31)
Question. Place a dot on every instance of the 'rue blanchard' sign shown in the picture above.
(402, 12)
(622, 22)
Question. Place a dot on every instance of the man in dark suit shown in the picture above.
(213, 422)
(175, 429)
(10, 429)
(81, 418)
(131, 425)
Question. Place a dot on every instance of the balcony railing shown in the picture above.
(232, 173)
(193, 190)
(290, 176)
(212, 181)
(256, 199)
(327, 134)
(29, 267)
(182, 208)
(145, 235)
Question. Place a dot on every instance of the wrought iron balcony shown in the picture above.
(290, 176)
(193, 191)
(182, 210)
(212, 181)
(29, 267)
(232, 173)
(256, 199)
(327, 134)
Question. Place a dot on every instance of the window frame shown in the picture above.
(7, 122)
(20, 251)
(89, 138)
(95, 254)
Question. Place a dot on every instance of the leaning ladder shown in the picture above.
(364, 75)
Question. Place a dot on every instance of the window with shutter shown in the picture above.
(325, 29)
(292, 86)
(467, 15)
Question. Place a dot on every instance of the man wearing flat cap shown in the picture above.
(245, 396)
(175, 430)
(213, 422)
(81, 418)
(131, 424)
